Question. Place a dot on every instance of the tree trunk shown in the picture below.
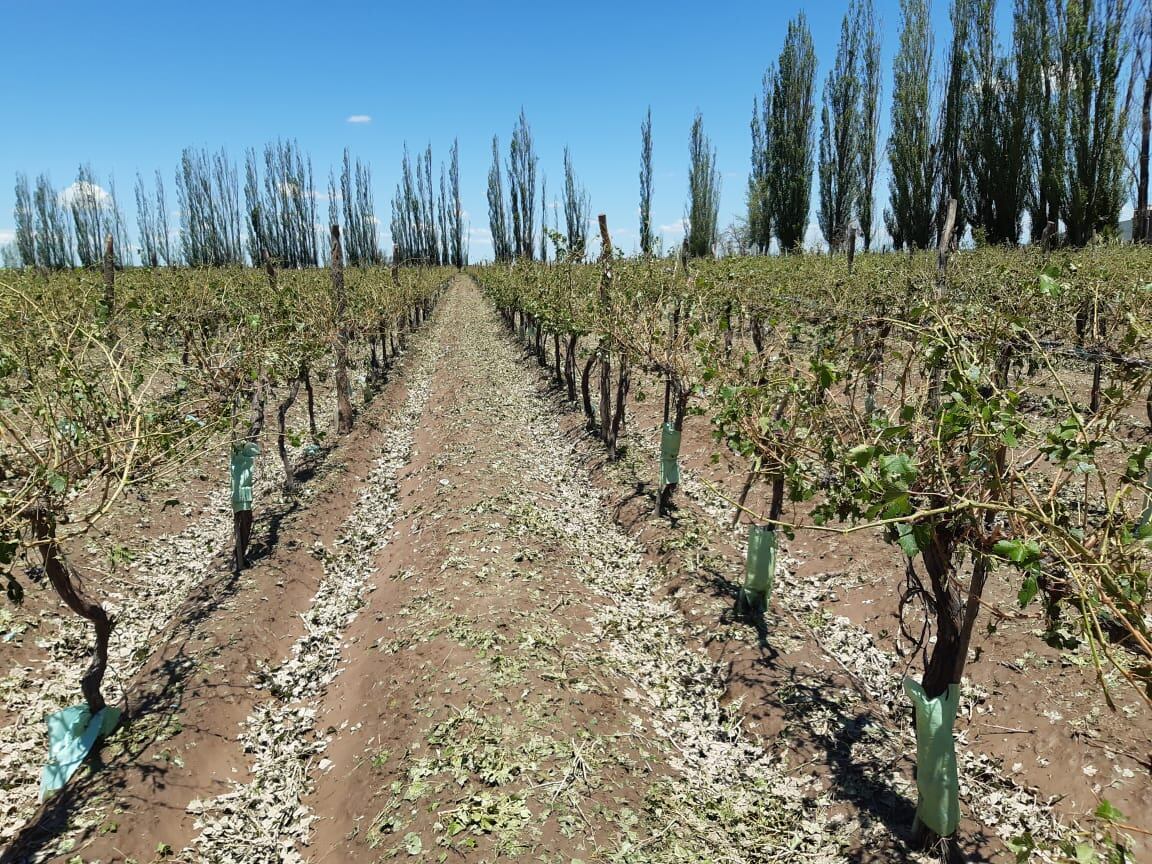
(306, 377)
(66, 581)
(586, 389)
(282, 436)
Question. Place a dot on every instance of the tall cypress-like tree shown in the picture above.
(497, 218)
(359, 235)
(703, 193)
(209, 200)
(1142, 76)
(840, 136)
(25, 216)
(911, 154)
(456, 226)
(147, 227)
(544, 219)
(1001, 123)
(968, 16)
(91, 217)
(522, 164)
(759, 191)
(646, 233)
(1094, 50)
(1047, 17)
(869, 149)
(577, 210)
(790, 138)
(53, 240)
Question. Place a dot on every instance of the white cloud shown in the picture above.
(676, 227)
(83, 190)
(7, 235)
(360, 118)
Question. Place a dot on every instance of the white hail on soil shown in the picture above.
(676, 700)
(142, 604)
(264, 820)
(986, 788)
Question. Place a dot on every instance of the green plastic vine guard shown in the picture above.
(669, 451)
(72, 733)
(240, 467)
(760, 568)
(937, 778)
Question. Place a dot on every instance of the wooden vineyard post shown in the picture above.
(109, 278)
(343, 388)
(605, 362)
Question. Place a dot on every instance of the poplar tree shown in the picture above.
(577, 210)
(360, 241)
(208, 196)
(91, 220)
(544, 219)
(1001, 123)
(840, 128)
(1047, 17)
(759, 219)
(703, 193)
(967, 18)
(497, 218)
(646, 233)
(790, 139)
(1142, 75)
(146, 225)
(911, 154)
(1094, 49)
(869, 145)
(53, 241)
(522, 164)
(25, 216)
(456, 222)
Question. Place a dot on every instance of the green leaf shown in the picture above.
(1022, 846)
(1107, 812)
(906, 537)
(413, 845)
(1028, 590)
(1018, 551)
(57, 483)
(1049, 287)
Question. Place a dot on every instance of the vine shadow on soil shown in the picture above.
(860, 784)
(151, 718)
(147, 720)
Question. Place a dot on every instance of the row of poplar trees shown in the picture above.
(512, 219)
(428, 228)
(272, 219)
(1042, 127)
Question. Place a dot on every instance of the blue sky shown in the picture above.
(125, 86)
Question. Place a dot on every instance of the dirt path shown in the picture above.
(512, 689)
